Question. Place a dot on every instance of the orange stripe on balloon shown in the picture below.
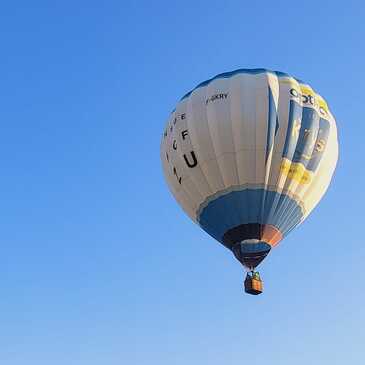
(271, 235)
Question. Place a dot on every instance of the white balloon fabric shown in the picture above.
(248, 154)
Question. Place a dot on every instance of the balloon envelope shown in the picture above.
(248, 154)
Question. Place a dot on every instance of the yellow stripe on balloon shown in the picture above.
(295, 171)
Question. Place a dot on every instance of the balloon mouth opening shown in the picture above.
(251, 252)
(251, 241)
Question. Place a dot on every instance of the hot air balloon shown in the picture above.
(248, 154)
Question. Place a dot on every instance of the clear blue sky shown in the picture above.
(98, 264)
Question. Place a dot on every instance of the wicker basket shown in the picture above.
(253, 285)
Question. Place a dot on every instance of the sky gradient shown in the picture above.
(99, 265)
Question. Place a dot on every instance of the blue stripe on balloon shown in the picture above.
(272, 124)
(294, 122)
(321, 141)
(227, 211)
(306, 144)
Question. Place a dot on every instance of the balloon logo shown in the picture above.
(248, 154)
